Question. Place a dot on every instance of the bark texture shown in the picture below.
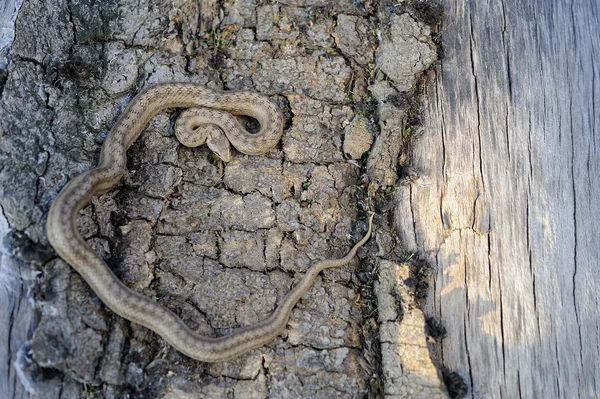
(217, 243)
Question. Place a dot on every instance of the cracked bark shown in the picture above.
(219, 244)
(513, 111)
(181, 224)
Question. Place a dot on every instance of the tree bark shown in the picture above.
(217, 243)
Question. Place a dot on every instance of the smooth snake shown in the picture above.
(204, 106)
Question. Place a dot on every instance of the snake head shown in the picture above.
(218, 143)
(193, 130)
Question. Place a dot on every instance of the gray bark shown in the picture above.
(219, 244)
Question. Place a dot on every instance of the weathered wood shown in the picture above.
(17, 317)
(508, 199)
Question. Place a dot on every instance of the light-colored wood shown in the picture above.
(507, 203)
(17, 318)
(405, 359)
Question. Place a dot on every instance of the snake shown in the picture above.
(204, 105)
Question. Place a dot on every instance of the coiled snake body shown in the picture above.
(67, 241)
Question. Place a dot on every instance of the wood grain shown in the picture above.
(507, 204)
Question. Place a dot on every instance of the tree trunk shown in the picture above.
(507, 200)
(219, 244)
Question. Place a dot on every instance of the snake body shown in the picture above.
(67, 241)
